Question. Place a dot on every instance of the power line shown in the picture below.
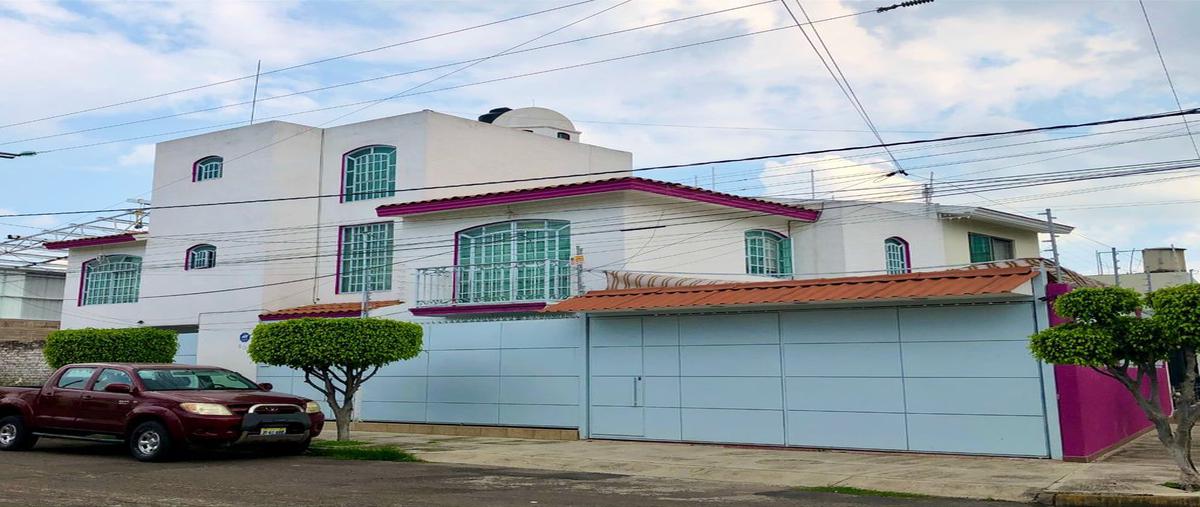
(376, 78)
(839, 77)
(297, 66)
(1167, 73)
(659, 167)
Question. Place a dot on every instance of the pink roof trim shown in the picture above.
(594, 187)
(96, 241)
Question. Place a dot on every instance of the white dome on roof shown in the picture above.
(535, 117)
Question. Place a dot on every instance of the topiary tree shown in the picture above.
(1108, 335)
(127, 345)
(337, 356)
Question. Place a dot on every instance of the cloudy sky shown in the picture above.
(939, 69)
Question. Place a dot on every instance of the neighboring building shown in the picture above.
(485, 269)
(31, 293)
(1162, 268)
(30, 306)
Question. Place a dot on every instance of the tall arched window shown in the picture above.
(521, 260)
(768, 253)
(110, 279)
(201, 257)
(207, 168)
(369, 173)
(897, 258)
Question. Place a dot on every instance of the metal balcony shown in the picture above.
(497, 283)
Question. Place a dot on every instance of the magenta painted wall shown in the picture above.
(1095, 412)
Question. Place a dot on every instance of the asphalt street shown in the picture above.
(62, 473)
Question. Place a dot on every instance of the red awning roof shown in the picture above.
(594, 187)
(95, 241)
(940, 284)
(327, 310)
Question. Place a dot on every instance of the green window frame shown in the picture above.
(520, 260)
(986, 248)
(111, 279)
(365, 257)
(208, 168)
(201, 257)
(768, 253)
(369, 173)
(896, 256)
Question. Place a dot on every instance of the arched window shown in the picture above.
(369, 173)
(207, 168)
(768, 253)
(201, 257)
(897, 258)
(110, 279)
(521, 260)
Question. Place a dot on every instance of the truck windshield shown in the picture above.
(194, 380)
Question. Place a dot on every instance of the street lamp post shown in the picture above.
(4, 154)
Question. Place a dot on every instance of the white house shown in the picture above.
(278, 220)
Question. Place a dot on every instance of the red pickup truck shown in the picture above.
(156, 409)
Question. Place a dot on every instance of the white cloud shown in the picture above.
(140, 155)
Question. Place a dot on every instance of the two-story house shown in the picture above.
(479, 229)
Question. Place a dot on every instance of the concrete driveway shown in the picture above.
(1012, 479)
(72, 474)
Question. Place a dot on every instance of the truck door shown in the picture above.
(104, 412)
(58, 403)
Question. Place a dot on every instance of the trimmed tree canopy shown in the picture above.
(128, 345)
(322, 343)
(337, 356)
(1107, 334)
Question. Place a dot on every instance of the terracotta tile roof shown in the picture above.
(328, 310)
(939, 284)
(95, 241)
(599, 186)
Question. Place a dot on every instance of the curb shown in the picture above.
(1116, 500)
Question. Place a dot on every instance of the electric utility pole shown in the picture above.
(367, 271)
(1116, 268)
(1053, 244)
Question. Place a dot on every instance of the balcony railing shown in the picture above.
(506, 282)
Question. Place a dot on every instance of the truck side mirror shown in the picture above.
(266, 386)
(118, 388)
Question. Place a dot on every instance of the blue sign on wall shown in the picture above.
(244, 337)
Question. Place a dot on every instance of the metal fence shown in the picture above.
(538, 280)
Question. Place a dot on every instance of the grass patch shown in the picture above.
(1175, 485)
(359, 451)
(847, 490)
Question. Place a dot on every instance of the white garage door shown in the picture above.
(942, 379)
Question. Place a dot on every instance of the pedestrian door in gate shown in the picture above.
(617, 381)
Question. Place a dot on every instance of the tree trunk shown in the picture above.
(343, 415)
(1189, 478)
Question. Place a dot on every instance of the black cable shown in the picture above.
(376, 78)
(292, 67)
(650, 168)
(843, 83)
(1166, 72)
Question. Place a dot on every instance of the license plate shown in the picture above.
(267, 432)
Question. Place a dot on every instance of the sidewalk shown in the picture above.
(1011, 479)
(1137, 470)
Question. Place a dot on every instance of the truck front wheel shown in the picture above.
(150, 441)
(14, 436)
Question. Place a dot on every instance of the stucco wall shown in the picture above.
(1025, 243)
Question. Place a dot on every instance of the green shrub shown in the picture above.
(128, 345)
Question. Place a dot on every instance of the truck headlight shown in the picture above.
(312, 407)
(206, 408)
